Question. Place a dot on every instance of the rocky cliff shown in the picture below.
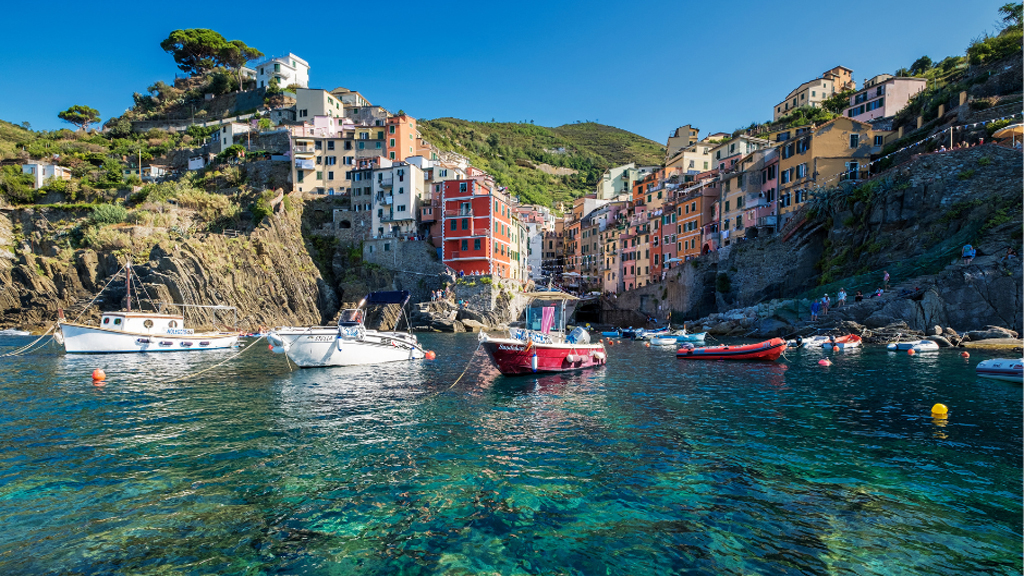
(267, 273)
(910, 221)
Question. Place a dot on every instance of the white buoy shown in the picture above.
(533, 362)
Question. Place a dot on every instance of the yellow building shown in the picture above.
(838, 150)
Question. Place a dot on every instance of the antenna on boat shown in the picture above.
(128, 282)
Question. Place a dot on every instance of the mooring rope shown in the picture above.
(217, 365)
(466, 369)
(25, 349)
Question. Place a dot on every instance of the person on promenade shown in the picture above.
(841, 299)
(826, 303)
(885, 279)
(814, 311)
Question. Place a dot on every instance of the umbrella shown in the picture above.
(1013, 131)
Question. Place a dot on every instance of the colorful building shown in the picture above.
(477, 233)
(883, 96)
(812, 92)
(401, 137)
(838, 150)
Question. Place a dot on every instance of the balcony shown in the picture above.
(304, 164)
(457, 213)
(304, 150)
(386, 181)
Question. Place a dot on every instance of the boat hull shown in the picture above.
(319, 348)
(1005, 369)
(81, 339)
(696, 337)
(916, 345)
(843, 342)
(514, 357)
(769, 350)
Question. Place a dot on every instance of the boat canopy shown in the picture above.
(394, 297)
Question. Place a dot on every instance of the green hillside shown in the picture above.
(514, 153)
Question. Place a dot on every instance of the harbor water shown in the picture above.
(650, 465)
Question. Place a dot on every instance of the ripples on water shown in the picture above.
(649, 466)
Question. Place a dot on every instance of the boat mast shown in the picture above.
(128, 282)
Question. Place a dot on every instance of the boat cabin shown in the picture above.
(351, 317)
(546, 316)
(144, 323)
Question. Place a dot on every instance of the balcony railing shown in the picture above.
(459, 212)
(304, 150)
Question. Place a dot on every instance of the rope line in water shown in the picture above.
(25, 349)
(217, 365)
(466, 369)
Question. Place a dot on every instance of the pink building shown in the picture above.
(883, 96)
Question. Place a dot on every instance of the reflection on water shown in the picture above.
(650, 465)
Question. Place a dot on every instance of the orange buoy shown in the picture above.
(965, 354)
(270, 347)
(824, 362)
(648, 344)
(910, 351)
(429, 355)
(98, 374)
(835, 348)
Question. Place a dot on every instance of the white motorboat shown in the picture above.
(816, 341)
(139, 331)
(915, 345)
(14, 332)
(351, 343)
(1007, 369)
(664, 340)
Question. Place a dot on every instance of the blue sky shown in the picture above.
(644, 66)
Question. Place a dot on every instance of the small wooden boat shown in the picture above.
(1006, 369)
(915, 345)
(843, 342)
(664, 341)
(769, 350)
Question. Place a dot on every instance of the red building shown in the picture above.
(476, 229)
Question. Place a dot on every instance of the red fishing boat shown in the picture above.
(768, 350)
(542, 344)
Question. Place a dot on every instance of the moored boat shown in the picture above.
(684, 336)
(915, 345)
(542, 345)
(1006, 369)
(809, 342)
(139, 331)
(843, 342)
(14, 332)
(664, 341)
(769, 350)
(351, 343)
(614, 334)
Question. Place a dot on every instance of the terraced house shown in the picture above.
(826, 155)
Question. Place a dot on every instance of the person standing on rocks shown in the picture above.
(885, 279)
(826, 302)
(815, 306)
(967, 253)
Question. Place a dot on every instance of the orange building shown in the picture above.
(402, 137)
(477, 231)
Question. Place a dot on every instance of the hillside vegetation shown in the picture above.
(513, 152)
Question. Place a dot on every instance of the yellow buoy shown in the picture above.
(940, 410)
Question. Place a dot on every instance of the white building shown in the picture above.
(288, 70)
(398, 188)
(535, 251)
(42, 173)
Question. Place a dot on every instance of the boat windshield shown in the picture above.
(351, 317)
(546, 317)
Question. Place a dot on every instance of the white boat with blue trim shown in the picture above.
(139, 331)
(351, 343)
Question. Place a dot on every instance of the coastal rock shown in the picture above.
(473, 325)
(991, 332)
(942, 342)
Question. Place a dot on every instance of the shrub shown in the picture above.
(16, 187)
(211, 207)
(984, 161)
(993, 127)
(109, 214)
(967, 174)
(261, 208)
(722, 283)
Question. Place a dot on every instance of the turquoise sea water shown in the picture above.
(650, 465)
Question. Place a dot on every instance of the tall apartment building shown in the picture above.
(477, 232)
(397, 189)
(837, 150)
(883, 96)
